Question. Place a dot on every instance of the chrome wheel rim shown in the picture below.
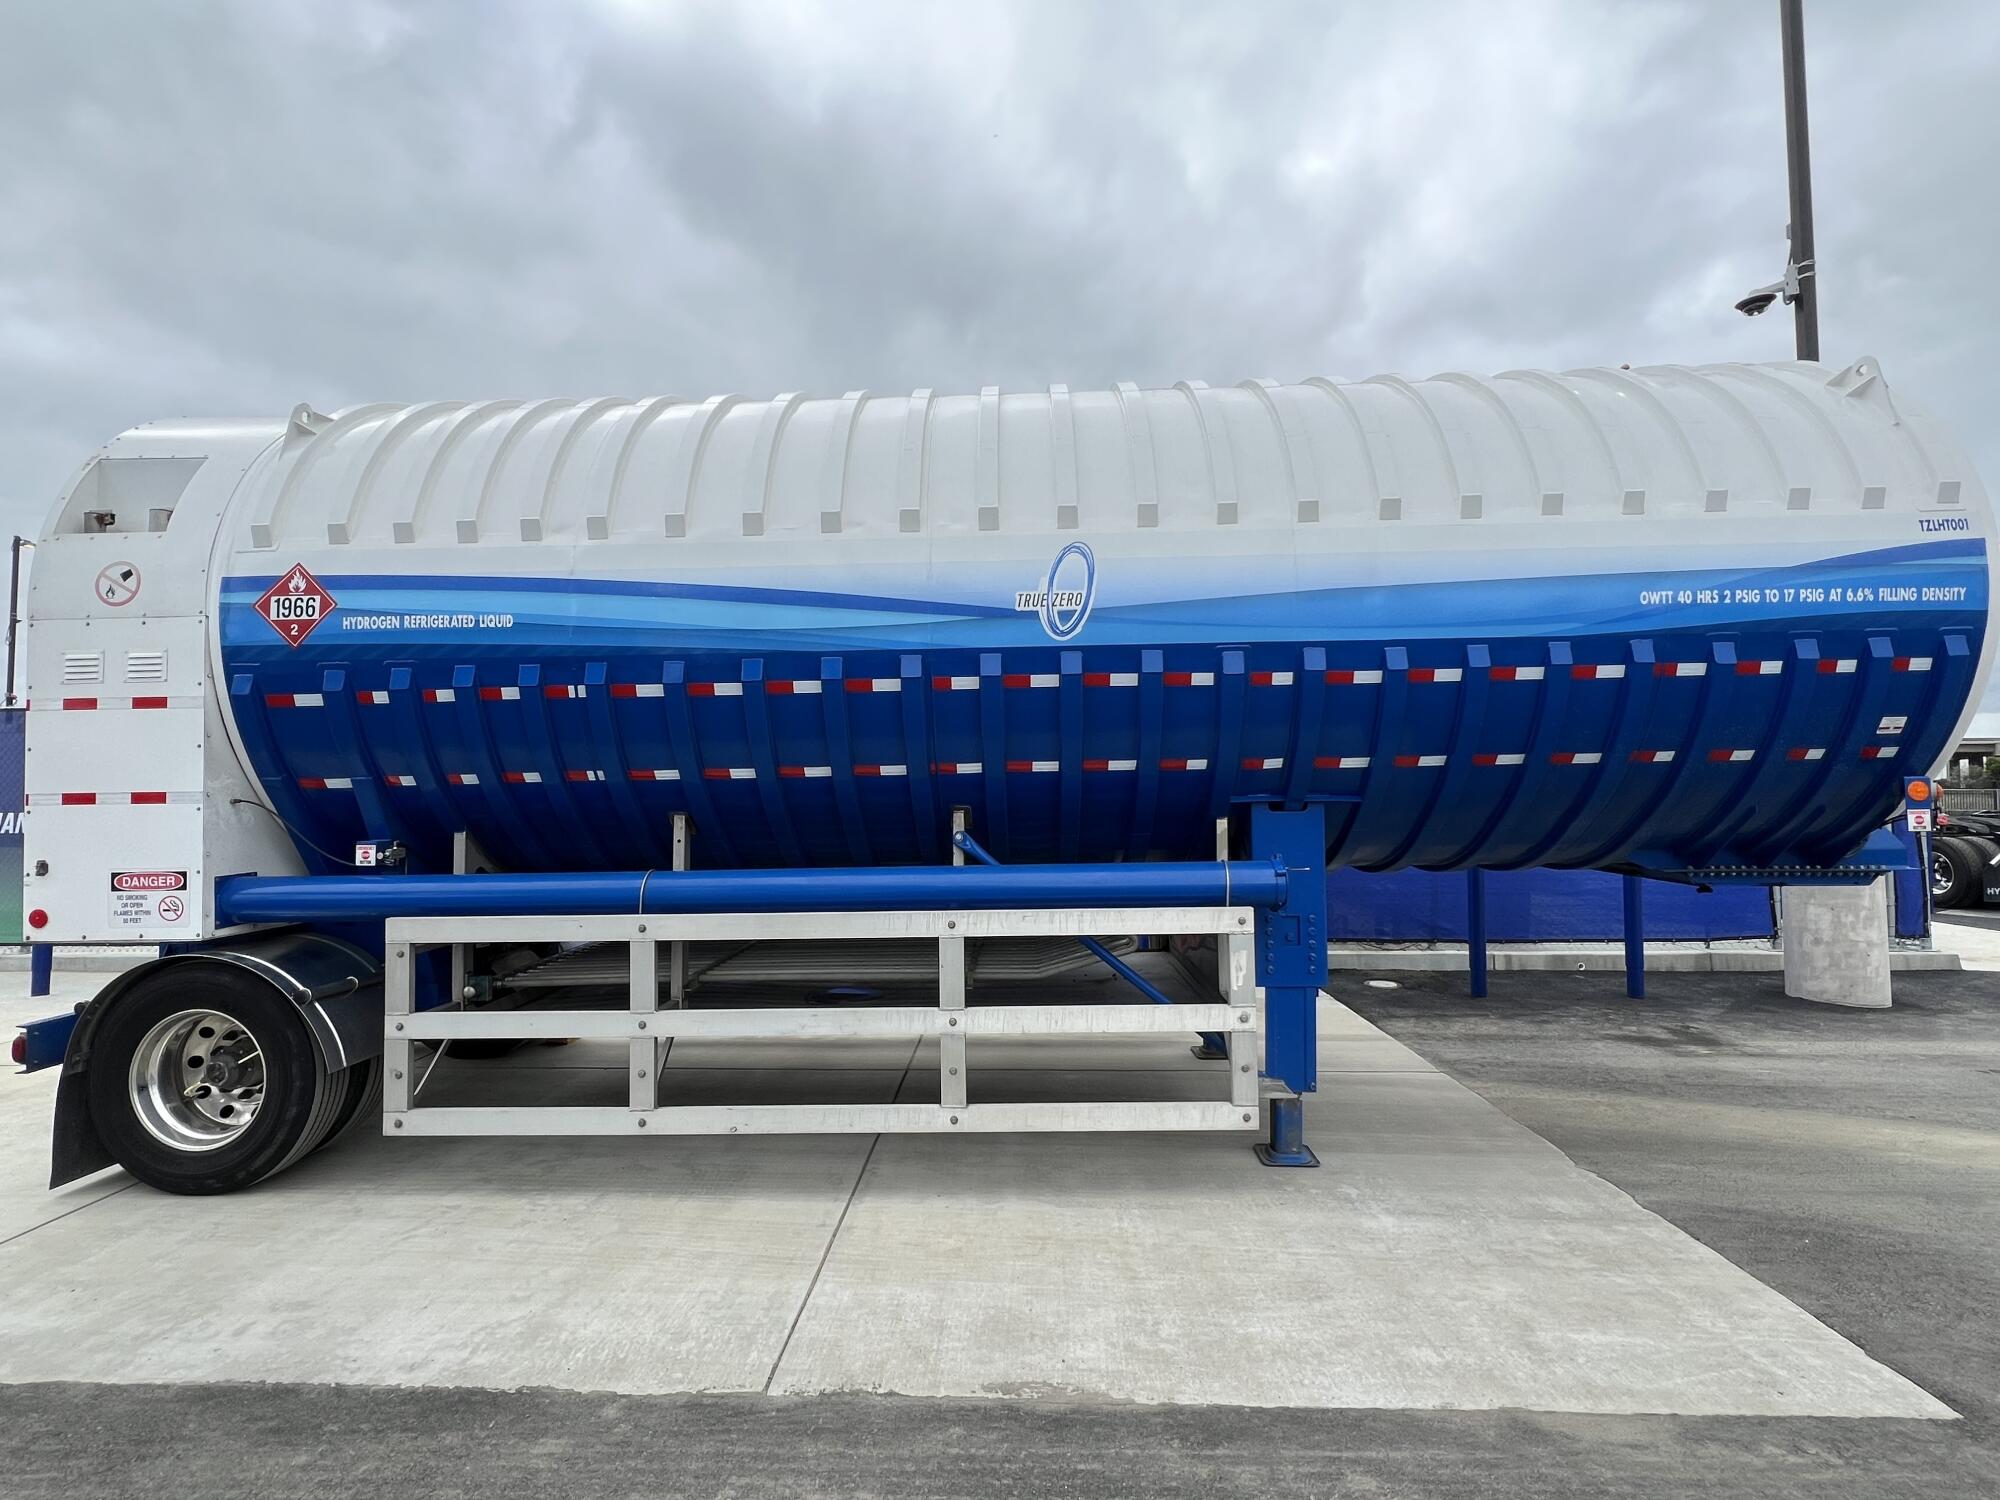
(197, 1080)
(1940, 874)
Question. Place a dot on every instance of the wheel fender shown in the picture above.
(336, 987)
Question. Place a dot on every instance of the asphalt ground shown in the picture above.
(1848, 1159)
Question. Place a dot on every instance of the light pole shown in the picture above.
(1799, 286)
(1798, 167)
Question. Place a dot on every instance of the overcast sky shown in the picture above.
(226, 209)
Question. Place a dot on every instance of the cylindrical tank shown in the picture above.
(1673, 618)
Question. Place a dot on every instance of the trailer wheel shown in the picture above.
(363, 1097)
(1983, 848)
(1954, 873)
(205, 1081)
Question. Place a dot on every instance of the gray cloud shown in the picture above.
(226, 209)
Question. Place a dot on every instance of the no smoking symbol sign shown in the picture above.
(117, 584)
(172, 908)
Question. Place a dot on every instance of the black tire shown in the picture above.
(298, 1102)
(1954, 873)
(361, 1100)
(1983, 848)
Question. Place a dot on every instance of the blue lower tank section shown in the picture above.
(1753, 743)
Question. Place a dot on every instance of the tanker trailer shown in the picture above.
(331, 706)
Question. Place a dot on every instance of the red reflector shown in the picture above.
(79, 799)
(20, 1049)
(149, 703)
(38, 918)
(149, 799)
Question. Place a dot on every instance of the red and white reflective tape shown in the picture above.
(1340, 763)
(1110, 679)
(1197, 763)
(1806, 752)
(954, 684)
(440, 695)
(1264, 763)
(1270, 679)
(1732, 755)
(1111, 765)
(1653, 757)
(1030, 680)
(1356, 676)
(1597, 672)
(76, 705)
(1188, 679)
(499, 694)
(583, 776)
(1037, 766)
(1409, 761)
(715, 689)
(295, 700)
(566, 690)
(665, 773)
(805, 773)
(1436, 674)
(1575, 758)
(638, 690)
(110, 799)
(326, 783)
(371, 696)
(1911, 664)
(873, 684)
(1759, 668)
(1828, 665)
(729, 773)
(1680, 669)
(881, 770)
(1878, 752)
(463, 778)
(793, 687)
(1506, 758)
(958, 768)
(400, 780)
(522, 778)
(1517, 674)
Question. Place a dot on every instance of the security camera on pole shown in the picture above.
(1797, 286)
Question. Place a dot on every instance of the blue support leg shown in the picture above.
(1635, 937)
(1291, 966)
(1475, 931)
(41, 968)
(1287, 1146)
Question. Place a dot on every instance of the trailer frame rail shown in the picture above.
(648, 1028)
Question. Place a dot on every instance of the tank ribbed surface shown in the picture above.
(1667, 444)
(1679, 618)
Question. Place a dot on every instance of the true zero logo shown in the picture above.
(295, 604)
(1064, 599)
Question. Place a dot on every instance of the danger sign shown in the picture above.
(295, 604)
(147, 898)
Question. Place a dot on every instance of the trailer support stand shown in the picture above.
(1291, 967)
(1475, 931)
(1635, 938)
(41, 969)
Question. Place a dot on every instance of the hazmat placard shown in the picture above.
(148, 898)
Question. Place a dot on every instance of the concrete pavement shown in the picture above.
(1444, 1256)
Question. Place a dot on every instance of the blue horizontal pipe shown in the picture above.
(363, 898)
(1110, 960)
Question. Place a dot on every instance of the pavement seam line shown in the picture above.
(838, 1224)
(24, 1233)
